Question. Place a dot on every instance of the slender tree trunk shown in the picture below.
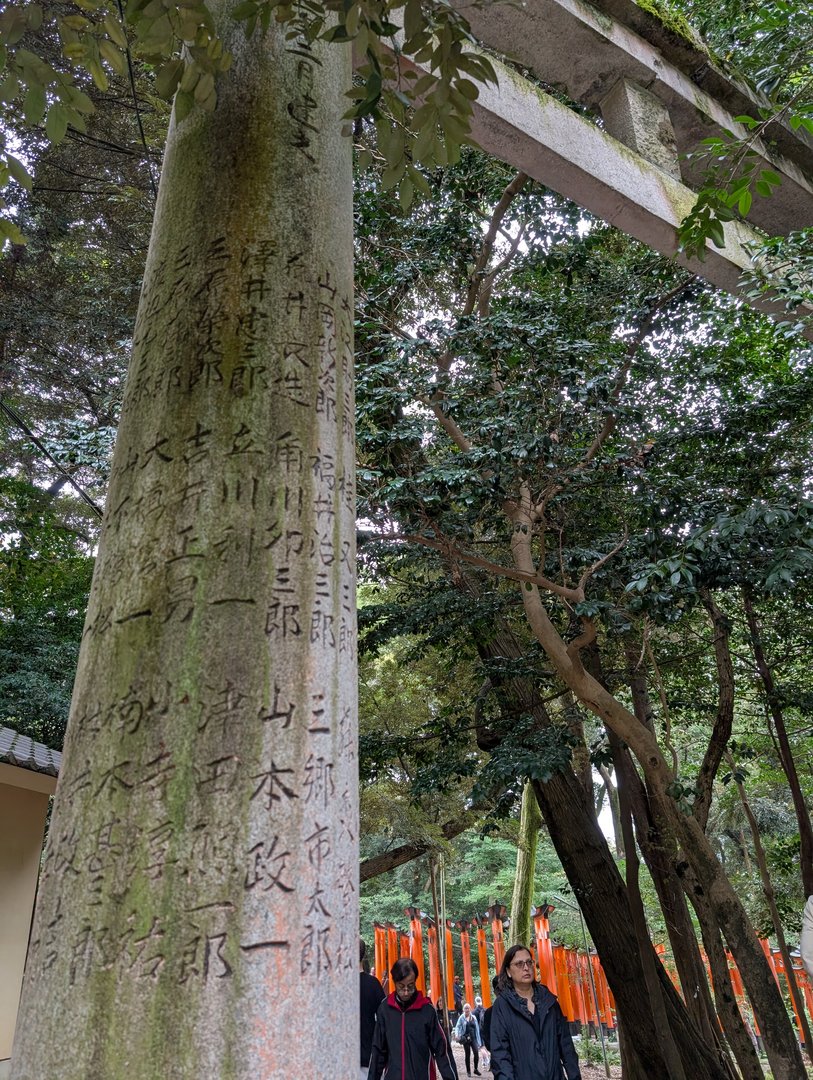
(725, 999)
(204, 839)
(529, 824)
(770, 899)
(612, 798)
(785, 751)
(649, 960)
(660, 852)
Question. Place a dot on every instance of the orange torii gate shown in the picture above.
(569, 973)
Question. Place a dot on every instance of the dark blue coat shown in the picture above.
(525, 1047)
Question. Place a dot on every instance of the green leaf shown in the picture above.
(744, 204)
(405, 192)
(114, 56)
(183, 105)
(168, 77)
(34, 104)
(115, 31)
(19, 172)
(11, 232)
(56, 123)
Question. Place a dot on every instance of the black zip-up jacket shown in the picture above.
(406, 1040)
(525, 1047)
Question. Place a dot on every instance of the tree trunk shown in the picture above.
(770, 899)
(568, 813)
(649, 961)
(204, 839)
(602, 897)
(612, 798)
(529, 825)
(785, 751)
(660, 850)
(780, 1041)
(725, 999)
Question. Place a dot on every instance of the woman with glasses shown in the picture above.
(529, 1035)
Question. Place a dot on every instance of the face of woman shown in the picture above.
(521, 969)
(405, 989)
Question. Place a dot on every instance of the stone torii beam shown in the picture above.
(657, 92)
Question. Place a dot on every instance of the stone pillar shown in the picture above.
(641, 121)
(197, 915)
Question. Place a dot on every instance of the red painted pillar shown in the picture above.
(381, 954)
(497, 913)
(449, 966)
(392, 945)
(404, 944)
(416, 946)
(435, 989)
(544, 952)
(563, 982)
(482, 958)
(465, 948)
(576, 992)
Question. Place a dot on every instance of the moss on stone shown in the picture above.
(674, 21)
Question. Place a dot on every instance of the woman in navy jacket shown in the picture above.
(529, 1035)
(407, 1033)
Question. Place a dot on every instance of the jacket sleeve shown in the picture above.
(478, 1032)
(567, 1051)
(486, 1031)
(500, 1046)
(806, 943)
(379, 1055)
(441, 1051)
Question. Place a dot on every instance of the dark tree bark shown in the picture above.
(568, 812)
(389, 860)
(785, 751)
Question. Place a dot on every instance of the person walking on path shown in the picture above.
(467, 1031)
(530, 1038)
(371, 994)
(407, 1036)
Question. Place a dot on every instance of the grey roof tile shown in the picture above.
(19, 750)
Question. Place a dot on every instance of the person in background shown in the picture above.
(806, 942)
(479, 1013)
(457, 992)
(530, 1038)
(407, 1034)
(467, 1032)
(485, 1026)
(371, 994)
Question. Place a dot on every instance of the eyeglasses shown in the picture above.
(522, 963)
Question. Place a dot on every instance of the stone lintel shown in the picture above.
(585, 49)
(532, 131)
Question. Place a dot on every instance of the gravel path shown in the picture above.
(589, 1072)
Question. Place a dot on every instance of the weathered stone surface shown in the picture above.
(641, 121)
(198, 906)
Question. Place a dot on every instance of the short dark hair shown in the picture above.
(402, 968)
(362, 949)
(505, 980)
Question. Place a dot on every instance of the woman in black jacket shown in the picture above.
(407, 1033)
(529, 1035)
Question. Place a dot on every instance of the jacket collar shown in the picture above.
(543, 999)
(418, 1003)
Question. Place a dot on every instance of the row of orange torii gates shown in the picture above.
(575, 976)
